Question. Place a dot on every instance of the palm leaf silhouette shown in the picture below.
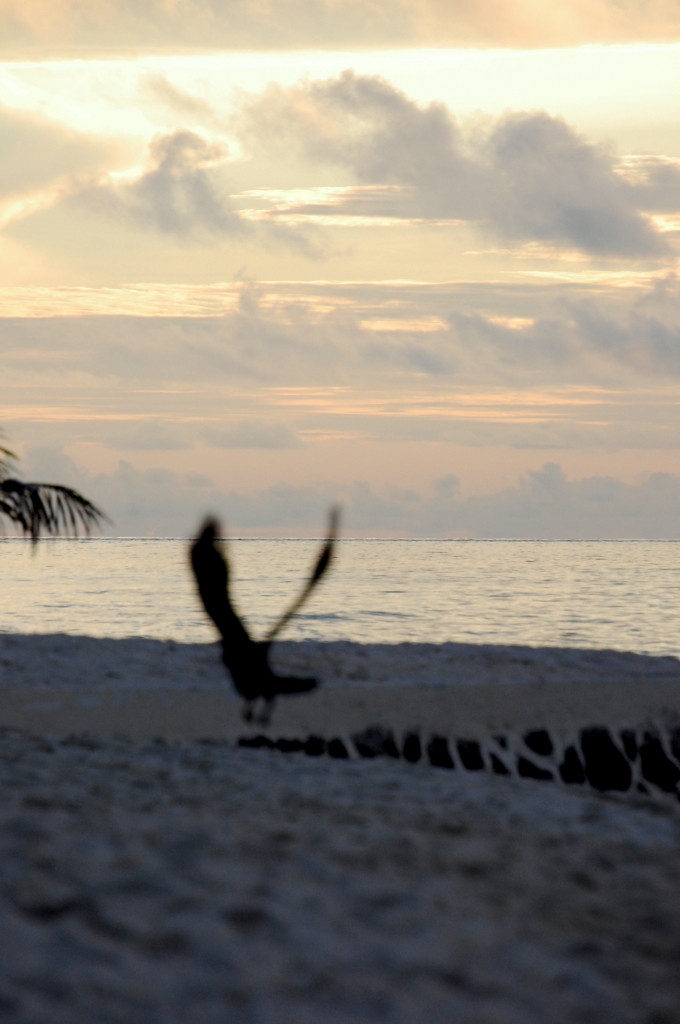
(48, 508)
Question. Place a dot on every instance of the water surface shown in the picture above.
(611, 594)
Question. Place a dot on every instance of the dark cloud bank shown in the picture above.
(544, 505)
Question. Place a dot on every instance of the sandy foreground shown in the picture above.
(194, 881)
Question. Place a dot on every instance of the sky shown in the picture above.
(418, 257)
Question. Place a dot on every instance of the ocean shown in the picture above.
(623, 595)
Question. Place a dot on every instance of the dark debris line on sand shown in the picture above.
(194, 882)
(610, 760)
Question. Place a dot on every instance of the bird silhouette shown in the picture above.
(246, 659)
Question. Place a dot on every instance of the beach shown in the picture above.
(340, 347)
(168, 879)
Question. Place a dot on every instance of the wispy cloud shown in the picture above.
(37, 151)
(59, 27)
(192, 109)
(280, 369)
(344, 334)
(267, 434)
(43, 163)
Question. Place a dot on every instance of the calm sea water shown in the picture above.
(618, 594)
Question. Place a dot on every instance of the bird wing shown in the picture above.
(322, 564)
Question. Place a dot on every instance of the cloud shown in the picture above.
(323, 336)
(140, 503)
(555, 186)
(155, 435)
(37, 151)
(253, 344)
(624, 342)
(546, 505)
(146, 436)
(67, 27)
(297, 371)
(593, 368)
(524, 176)
(175, 195)
(656, 180)
(532, 23)
(543, 505)
(160, 502)
(183, 104)
(271, 435)
(61, 27)
(182, 192)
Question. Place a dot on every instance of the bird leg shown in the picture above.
(264, 715)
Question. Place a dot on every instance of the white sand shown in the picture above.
(145, 688)
(195, 882)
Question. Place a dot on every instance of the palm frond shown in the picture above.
(51, 508)
(6, 456)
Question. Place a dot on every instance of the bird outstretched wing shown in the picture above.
(322, 563)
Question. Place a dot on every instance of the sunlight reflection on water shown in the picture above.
(619, 594)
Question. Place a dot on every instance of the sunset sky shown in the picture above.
(416, 256)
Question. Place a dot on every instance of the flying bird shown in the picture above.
(246, 659)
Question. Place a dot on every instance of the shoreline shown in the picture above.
(606, 719)
(50, 660)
